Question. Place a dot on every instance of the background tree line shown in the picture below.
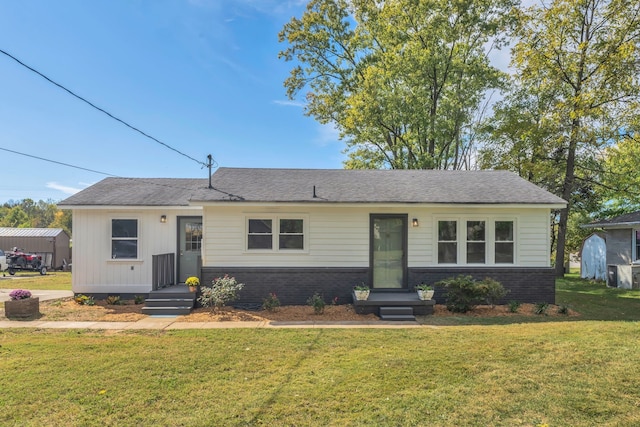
(407, 83)
(29, 214)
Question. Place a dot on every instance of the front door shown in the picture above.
(189, 247)
(388, 254)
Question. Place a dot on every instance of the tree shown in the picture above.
(584, 54)
(401, 80)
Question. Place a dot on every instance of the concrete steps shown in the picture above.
(397, 313)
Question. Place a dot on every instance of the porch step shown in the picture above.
(166, 311)
(164, 302)
(175, 302)
(397, 313)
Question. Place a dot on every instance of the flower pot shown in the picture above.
(193, 289)
(361, 295)
(425, 295)
(22, 308)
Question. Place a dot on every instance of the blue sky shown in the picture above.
(202, 76)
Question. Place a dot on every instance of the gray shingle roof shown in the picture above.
(137, 192)
(331, 186)
(629, 219)
(373, 186)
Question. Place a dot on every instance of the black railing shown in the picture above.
(164, 273)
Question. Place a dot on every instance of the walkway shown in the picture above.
(169, 324)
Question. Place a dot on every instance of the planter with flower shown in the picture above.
(21, 305)
(425, 292)
(193, 283)
(361, 292)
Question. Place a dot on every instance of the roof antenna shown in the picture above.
(210, 165)
(314, 192)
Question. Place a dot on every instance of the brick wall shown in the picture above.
(525, 284)
(294, 286)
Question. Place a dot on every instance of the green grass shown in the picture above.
(576, 371)
(53, 280)
(570, 373)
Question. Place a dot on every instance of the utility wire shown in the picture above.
(100, 109)
(56, 162)
(148, 181)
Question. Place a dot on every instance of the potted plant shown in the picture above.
(361, 291)
(21, 305)
(425, 292)
(193, 283)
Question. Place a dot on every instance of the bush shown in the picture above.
(84, 300)
(463, 293)
(317, 302)
(514, 306)
(138, 299)
(563, 309)
(493, 290)
(223, 291)
(541, 308)
(271, 303)
(113, 300)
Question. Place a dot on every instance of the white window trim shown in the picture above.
(490, 239)
(437, 240)
(139, 239)
(275, 233)
(634, 245)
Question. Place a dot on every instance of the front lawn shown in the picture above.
(52, 281)
(556, 374)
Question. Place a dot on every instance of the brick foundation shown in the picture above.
(294, 286)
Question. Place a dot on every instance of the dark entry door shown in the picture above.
(189, 247)
(388, 257)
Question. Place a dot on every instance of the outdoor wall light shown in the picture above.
(163, 219)
(414, 222)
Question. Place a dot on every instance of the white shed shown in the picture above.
(593, 264)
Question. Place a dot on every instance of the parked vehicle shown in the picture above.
(18, 260)
(3, 261)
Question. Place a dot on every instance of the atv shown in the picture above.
(17, 260)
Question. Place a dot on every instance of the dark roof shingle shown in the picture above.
(330, 186)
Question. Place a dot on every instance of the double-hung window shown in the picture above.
(124, 238)
(260, 234)
(447, 242)
(504, 242)
(276, 233)
(476, 243)
(291, 234)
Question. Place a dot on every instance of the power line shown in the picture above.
(101, 110)
(57, 162)
(148, 181)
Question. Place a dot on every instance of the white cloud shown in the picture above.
(287, 103)
(63, 188)
(327, 134)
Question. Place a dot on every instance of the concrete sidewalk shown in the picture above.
(168, 324)
(43, 295)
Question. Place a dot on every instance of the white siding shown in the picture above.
(93, 268)
(339, 236)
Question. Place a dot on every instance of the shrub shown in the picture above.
(84, 300)
(462, 293)
(493, 290)
(271, 303)
(514, 306)
(317, 302)
(563, 309)
(138, 299)
(113, 300)
(541, 308)
(222, 291)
